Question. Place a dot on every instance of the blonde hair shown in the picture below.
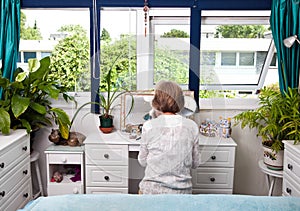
(168, 97)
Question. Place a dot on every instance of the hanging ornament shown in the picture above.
(146, 11)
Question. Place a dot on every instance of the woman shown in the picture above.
(169, 145)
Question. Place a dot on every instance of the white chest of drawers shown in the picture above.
(216, 172)
(15, 179)
(108, 165)
(291, 169)
(66, 160)
(106, 168)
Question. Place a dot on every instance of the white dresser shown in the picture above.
(110, 168)
(291, 169)
(106, 167)
(15, 175)
(216, 172)
(68, 161)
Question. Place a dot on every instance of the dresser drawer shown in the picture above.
(112, 176)
(16, 153)
(14, 179)
(105, 190)
(106, 155)
(65, 188)
(289, 186)
(292, 166)
(212, 178)
(64, 158)
(19, 198)
(217, 156)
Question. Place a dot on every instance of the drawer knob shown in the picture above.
(106, 156)
(75, 191)
(213, 157)
(24, 148)
(25, 195)
(212, 179)
(288, 190)
(2, 193)
(290, 167)
(25, 172)
(106, 178)
(2, 165)
(64, 160)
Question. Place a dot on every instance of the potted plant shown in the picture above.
(276, 119)
(26, 102)
(108, 94)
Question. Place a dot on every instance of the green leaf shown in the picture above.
(21, 77)
(26, 124)
(33, 65)
(19, 105)
(4, 121)
(63, 121)
(38, 107)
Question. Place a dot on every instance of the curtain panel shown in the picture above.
(9, 37)
(285, 22)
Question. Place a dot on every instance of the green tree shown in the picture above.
(105, 36)
(70, 59)
(176, 33)
(27, 32)
(124, 70)
(241, 31)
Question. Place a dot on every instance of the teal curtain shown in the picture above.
(9, 37)
(285, 22)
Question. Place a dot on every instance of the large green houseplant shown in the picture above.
(276, 119)
(108, 93)
(26, 102)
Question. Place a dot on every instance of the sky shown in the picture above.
(49, 21)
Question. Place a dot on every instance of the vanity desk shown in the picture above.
(111, 164)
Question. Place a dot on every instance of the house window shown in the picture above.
(246, 59)
(29, 55)
(45, 54)
(241, 55)
(228, 59)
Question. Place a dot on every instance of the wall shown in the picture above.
(248, 179)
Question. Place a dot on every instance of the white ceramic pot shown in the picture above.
(273, 159)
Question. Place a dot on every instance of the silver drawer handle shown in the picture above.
(106, 156)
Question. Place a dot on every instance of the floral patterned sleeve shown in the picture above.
(143, 153)
(196, 154)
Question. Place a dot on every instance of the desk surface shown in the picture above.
(119, 137)
(266, 170)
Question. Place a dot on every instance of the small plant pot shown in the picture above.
(106, 129)
(106, 122)
(273, 159)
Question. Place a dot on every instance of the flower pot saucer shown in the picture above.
(106, 129)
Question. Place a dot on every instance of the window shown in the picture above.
(246, 59)
(228, 59)
(118, 45)
(62, 34)
(29, 55)
(45, 54)
(241, 40)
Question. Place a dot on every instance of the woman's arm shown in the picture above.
(196, 154)
(143, 153)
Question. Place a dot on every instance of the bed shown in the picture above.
(132, 202)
